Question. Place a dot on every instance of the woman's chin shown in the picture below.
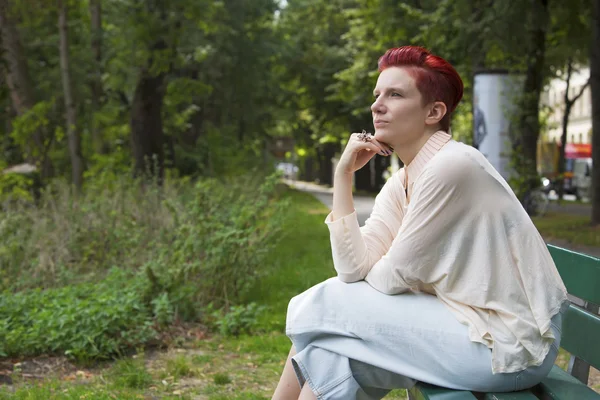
(380, 135)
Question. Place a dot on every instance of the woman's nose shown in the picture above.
(377, 106)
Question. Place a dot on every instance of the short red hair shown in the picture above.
(435, 78)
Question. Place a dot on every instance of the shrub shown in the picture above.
(238, 320)
(84, 321)
(158, 254)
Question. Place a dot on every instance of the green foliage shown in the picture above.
(222, 379)
(55, 390)
(238, 319)
(107, 170)
(15, 187)
(86, 321)
(218, 243)
(163, 309)
(177, 248)
(179, 367)
(25, 126)
(130, 373)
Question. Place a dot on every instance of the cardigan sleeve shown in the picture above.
(435, 224)
(355, 250)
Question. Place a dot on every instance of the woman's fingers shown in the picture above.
(371, 144)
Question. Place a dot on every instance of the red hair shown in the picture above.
(435, 78)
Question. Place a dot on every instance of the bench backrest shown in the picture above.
(581, 324)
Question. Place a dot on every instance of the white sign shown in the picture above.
(494, 102)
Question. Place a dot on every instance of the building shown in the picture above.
(579, 128)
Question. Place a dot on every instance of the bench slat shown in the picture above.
(525, 395)
(561, 386)
(423, 391)
(579, 272)
(580, 333)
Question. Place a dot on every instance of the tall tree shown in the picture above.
(569, 101)
(146, 120)
(528, 123)
(19, 82)
(595, 85)
(312, 59)
(73, 134)
(96, 80)
(147, 135)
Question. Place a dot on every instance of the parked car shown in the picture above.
(582, 177)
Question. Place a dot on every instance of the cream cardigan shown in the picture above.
(464, 237)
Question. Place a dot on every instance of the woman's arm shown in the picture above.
(356, 155)
(353, 256)
(343, 203)
(355, 250)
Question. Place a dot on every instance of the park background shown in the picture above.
(149, 245)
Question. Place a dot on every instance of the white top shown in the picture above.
(464, 237)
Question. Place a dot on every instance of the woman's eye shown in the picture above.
(396, 94)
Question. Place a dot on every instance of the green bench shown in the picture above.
(580, 337)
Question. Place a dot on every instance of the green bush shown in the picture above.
(238, 320)
(219, 244)
(84, 321)
(16, 187)
(158, 254)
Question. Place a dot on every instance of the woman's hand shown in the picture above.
(358, 152)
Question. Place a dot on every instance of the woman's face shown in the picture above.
(399, 116)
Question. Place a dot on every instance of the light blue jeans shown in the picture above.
(354, 342)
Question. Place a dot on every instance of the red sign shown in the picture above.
(578, 150)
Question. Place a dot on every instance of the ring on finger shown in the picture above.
(365, 136)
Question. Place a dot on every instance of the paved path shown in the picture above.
(364, 204)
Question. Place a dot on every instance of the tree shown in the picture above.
(19, 82)
(528, 123)
(312, 58)
(147, 136)
(96, 79)
(158, 41)
(569, 101)
(71, 114)
(595, 85)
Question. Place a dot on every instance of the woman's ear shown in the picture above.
(436, 112)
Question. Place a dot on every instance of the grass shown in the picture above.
(245, 367)
(571, 228)
(218, 368)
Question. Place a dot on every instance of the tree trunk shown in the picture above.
(529, 124)
(72, 131)
(19, 83)
(561, 151)
(595, 84)
(563, 137)
(326, 153)
(362, 178)
(147, 135)
(96, 81)
(569, 102)
(381, 165)
(308, 172)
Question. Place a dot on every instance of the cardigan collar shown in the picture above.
(429, 149)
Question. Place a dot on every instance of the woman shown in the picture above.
(448, 282)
